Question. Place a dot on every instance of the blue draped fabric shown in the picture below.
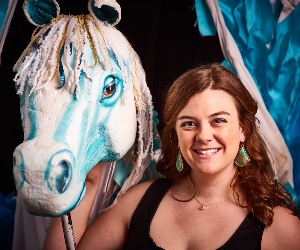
(3, 10)
(8, 202)
(7, 8)
(7, 213)
(271, 52)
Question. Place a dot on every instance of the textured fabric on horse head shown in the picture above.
(83, 100)
(263, 49)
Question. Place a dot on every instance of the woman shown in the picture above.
(219, 191)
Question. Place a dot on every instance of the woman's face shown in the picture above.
(209, 132)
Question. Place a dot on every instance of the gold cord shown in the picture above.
(193, 195)
(176, 199)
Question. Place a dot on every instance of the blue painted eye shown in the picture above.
(112, 90)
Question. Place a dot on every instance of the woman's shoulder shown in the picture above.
(284, 217)
(284, 232)
(141, 188)
(134, 194)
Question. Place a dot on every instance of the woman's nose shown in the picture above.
(204, 133)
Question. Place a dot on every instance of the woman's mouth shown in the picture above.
(207, 152)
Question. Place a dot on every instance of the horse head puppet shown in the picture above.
(83, 100)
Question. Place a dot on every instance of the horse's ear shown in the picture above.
(40, 12)
(108, 11)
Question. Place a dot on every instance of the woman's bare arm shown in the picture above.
(284, 232)
(110, 229)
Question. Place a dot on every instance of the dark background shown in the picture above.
(164, 33)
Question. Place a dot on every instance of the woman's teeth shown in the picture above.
(207, 152)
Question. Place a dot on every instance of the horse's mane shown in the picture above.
(78, 35)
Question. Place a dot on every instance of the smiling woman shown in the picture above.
(224, 163)
(209, 132)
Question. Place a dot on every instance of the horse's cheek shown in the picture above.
(123, 136)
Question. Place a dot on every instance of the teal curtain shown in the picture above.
(3, 11)
(7, 9)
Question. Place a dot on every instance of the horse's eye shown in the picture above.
(110, 89)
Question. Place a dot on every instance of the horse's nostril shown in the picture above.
(64, 179)
(60, 177)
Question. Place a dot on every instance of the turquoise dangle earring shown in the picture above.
(242, 157)
(179, 163)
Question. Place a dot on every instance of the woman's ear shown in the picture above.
(242, 134)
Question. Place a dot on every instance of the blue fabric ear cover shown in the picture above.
(109, 12)
(106, 13)
(40, 12)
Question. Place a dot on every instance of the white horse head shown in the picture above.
(83, 100)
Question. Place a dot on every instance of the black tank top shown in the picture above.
(247, 237)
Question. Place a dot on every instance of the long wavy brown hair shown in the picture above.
(256, 180)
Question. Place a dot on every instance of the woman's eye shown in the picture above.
(219, 121)
(188, 124)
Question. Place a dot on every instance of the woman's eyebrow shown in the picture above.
(185, 117)
(219, 113)
(212, 115)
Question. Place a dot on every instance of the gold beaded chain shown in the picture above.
(202, 205)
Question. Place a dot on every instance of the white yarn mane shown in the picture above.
(92, 41)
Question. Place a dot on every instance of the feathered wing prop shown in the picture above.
(264, 51)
